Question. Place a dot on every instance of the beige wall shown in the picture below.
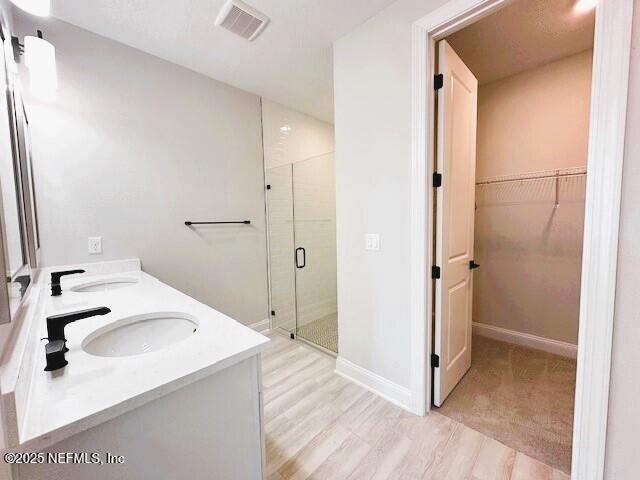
(622, 461)
(134, 146)
(535, 120)
(530, 252)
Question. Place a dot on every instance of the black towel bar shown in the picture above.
(242, 222)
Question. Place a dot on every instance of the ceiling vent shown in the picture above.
(241, 19)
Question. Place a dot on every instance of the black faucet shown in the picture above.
(56, 347)
(56, 289)
(56, 323)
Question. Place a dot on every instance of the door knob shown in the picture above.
(473, 265)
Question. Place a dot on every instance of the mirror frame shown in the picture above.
(7, 310)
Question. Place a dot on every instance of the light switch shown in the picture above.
(95, 245)
(372, 241)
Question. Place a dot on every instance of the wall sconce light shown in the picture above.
(40, 59)
(41, 8)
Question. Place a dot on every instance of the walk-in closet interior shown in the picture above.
(533, 99)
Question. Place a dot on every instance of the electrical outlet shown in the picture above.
(95, 245)
(372, 241)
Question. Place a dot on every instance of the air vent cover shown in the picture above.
(241, 19)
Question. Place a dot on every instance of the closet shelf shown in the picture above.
(559, 173)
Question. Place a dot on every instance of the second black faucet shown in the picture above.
(56, 347)
(56, 289)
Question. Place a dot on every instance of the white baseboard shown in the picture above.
(382, 387)
(261, 327)
(526, 340)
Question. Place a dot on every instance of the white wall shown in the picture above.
(372, 75)
(531, 252)
(291, 136)
(622, 461)
(134, 146)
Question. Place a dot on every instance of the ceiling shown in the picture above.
(291, 62)
(523, 35)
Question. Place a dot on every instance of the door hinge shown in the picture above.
(438, 81)
(437, 179)
(435, 360)
(273, 313)
(435, 272)
(268, 187)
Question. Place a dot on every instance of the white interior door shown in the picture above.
(456, 162)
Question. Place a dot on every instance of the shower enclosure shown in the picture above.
(302, 250)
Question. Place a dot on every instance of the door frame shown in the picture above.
(610, 78)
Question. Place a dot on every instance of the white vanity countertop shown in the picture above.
(93, 389)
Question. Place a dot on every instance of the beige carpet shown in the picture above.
(520, 397)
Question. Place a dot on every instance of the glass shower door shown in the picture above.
(302, 250)
(281, 246)
(314, 213)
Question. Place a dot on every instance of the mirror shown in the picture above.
(28, 189)
(15, 258)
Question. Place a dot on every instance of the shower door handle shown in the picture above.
(304, 257)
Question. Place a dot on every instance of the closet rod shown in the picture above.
(533, 177)
(188, 223)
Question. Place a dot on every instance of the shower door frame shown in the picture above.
(270, 324)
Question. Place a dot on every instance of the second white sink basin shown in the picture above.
(140, 334)
(104, 285)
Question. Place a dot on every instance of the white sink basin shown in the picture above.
(140, 334)
(104, 285)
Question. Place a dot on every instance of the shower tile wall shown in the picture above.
(291, 136)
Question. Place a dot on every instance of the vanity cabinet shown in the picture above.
(206, 430)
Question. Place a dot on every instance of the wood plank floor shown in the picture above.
(323, 427)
